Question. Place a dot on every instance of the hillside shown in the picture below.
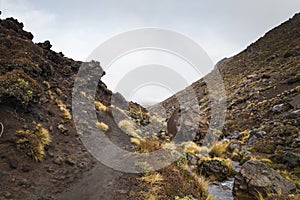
(40, 151)
(257, 153)
(262, 85)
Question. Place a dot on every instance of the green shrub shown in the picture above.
(19, 86)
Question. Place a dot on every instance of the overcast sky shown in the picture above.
(222, 28)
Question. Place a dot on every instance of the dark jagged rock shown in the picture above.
(214, 169)
(291, 159)
(256, 176)
(15, 25)
(46, 45)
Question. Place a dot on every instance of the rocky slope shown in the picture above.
(40, 151)
(41, 154)
(42, 157)
(262, 85)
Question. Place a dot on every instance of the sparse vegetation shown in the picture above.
(189, 197)
(100, 106)
(170, 182)
(33, 142)
(147, 144)
(104, 127)
(218, 149)
(19, 86)
(65, 112)
(128, 127)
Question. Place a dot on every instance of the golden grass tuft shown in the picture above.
(104, 127)
(191, 147)
(170, 182)
(203, 184)
(128, 127)
(47, 84)
(100, 106)
(245, 135)
(33, 142)
(218, 149)
(189, 197)
(152, 179)
(65, 112)
(147, 144)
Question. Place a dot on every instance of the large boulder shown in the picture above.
(256, 176)
(213, 169)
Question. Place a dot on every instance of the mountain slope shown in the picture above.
(262, 85)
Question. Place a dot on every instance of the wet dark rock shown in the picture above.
(291, 159)
(13, 163)
(25, 168)
(256, 176)
(50, 112)
(214, 169)
(265, 76)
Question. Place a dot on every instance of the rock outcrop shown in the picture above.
(256, 176)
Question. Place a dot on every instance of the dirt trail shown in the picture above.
(101, 182)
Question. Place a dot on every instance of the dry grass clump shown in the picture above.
(291, 177)
(33, 142)
(245, 136)
(100, 106)
(172, 182)
(65, 112)
(218, 149)
(147, 144)
(128, 127)
(191, 147)
(189, 197)
(104, 127)
(47, 84)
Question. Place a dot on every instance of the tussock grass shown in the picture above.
(65, 112)
(128, 127)
(147, 144)
(218, 149)
(104, 127)
(33, 142)
(100, 106)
